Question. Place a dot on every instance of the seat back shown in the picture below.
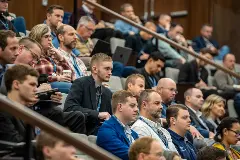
(172, 73)
(114, 42)
(231, 110)
(115, 84)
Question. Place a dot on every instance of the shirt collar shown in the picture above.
(126, 128)
(198, 113)
(86, 9)
(65, 53)
(151, 123)
(175, 135)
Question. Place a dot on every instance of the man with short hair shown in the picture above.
(135, 84)
(212, 153)
(67, 38)
(151, 70)
(148, 123)
(115, 135)
(146, 148)
(164, 23)
(128, 12)
(51, 148)
(21, 84)
(194, 101)
(179, 121)
(89, 96)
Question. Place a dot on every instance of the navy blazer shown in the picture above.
(198, 43)
(111, 137)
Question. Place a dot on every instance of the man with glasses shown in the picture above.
(151, 70)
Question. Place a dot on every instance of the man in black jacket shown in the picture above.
(89, 96)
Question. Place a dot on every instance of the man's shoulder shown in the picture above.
(198, 38)
(85, 80)
(220, 73)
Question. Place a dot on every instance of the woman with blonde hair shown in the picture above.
(213, 108)
(52, 63)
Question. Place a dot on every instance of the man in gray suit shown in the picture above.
(230, 85)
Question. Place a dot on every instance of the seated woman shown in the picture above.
(228, 133)
(213, 108)
(52, 62)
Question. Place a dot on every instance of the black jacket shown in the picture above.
(6, 24)
(190, 73)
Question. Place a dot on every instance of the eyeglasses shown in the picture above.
(36, 58)
(236, 132)
(171, 89)
(47, 36)
(90, 29)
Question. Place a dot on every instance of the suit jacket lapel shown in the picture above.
(92, 91)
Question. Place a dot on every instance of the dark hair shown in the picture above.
(18, 72)
(226, 123)
(225, 56)
(4, 34)
(210, 153)
(52, 7)
(206, 25)
(156, 55)
(172, 111)
(60, 30)
(173, 25)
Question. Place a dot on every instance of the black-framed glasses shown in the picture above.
(36, 58)
(236, 132)
(172, 90)
(47, 36)
(90, 29)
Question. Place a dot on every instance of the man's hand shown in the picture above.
(183, 60)
(201, 84)
(104, 115)
(211, 135)
(57, 97)
(64, 78)
(195, 133)
(131, 33)
(144, 56)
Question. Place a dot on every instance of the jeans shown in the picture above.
(222, 52)
(63, 87)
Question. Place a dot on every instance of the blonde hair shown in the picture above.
(38, 31)
(209, 102)
(99, 57)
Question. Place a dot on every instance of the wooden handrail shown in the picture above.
(158, 36)
(35, 119)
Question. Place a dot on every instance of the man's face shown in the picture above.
(165, 21)
(147, 36)
(129, 110)
(29, 56)
(128, 12)
(206, 32)
(86, 31)
(168, 91)
(196, 99)
(155, 153)
(55, 17)
(175, 32)
(229, 61)
(207, 56)
(26, 89)
(69, 38)
(61, 151)
(104, 70)
(183, 121)
(155, 66)
(153, 105)
(10, 53)
(137, 88)
(3, 5)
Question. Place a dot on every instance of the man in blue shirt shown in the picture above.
(128, 12)
(115, 135)
(179, 121)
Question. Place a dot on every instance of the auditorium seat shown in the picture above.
(172, 73)
(123, 80)
(115, 84)
(231, 110)
(114, 42)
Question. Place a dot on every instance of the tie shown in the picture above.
(98, 97)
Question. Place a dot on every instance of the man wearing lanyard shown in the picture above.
(89, 96)
(115, 135)
(148, 123)
(151, 70)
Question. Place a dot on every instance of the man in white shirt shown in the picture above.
(148, 123)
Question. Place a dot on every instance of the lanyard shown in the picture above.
(5, 24)
(153, 81)
(160, 133)
(99, 100)
(54, 65)
(76, 68)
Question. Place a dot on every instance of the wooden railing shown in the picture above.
(158, 36)
(33, 118)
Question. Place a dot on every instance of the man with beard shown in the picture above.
(148, 123)
(89, 96)
(67, 38)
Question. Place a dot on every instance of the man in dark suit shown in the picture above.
(21, 84)
(151, 70)
(89, 96)
(194, 101)
(115, 135)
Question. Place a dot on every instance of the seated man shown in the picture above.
(141, 44)
(21, 84)
(205, 41)
(89, 96)
(212, 153)
(174, 57)
(115, 135)
(164, 23)
(146, 148)
(178, 119)
(135, 84)
(51, 148)
(128, 12)
(227, 83)
(194, 101)
(151, 70)
(148, 123)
